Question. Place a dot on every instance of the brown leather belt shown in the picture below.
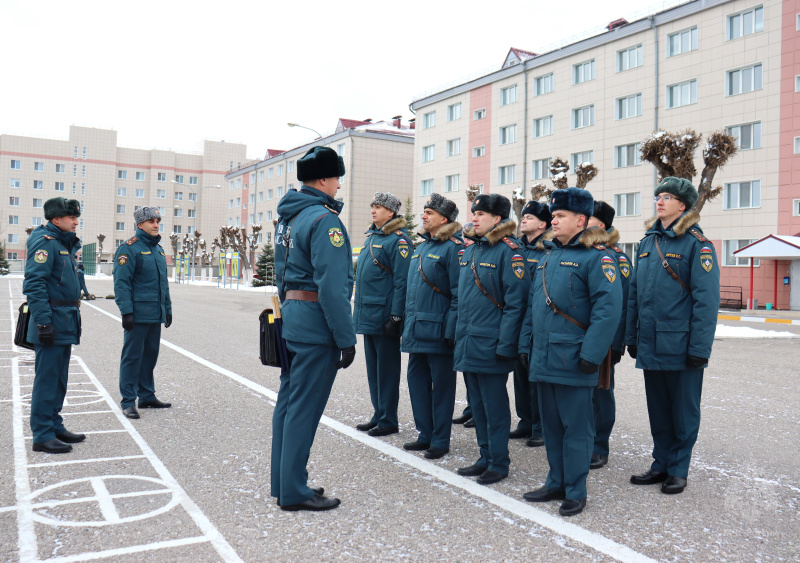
(298, 295)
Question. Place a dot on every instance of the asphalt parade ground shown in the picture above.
(191, 483)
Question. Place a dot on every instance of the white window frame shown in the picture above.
(630, 55)
(140, 176)
(37, 202)
(479, 114)
(728, 256)
(13, 201)
(756, 14)
(478, 152)
(796, 145)
(796, 207)
(38, 166)
(583, 72)
(581, 157)
(620, 162)
(506, 174)
(161, 194)
(542, 126)
(426, 187)
(15, 182)
(737, 76)
(731, 188)
(429, 153)
(161, 176)
(622, 106)
(692, 89)
(755, 134)
(540, 169)
(122, 192)
(580, 115)
(508, 95)
(61, 168)
(139, 192)
(429, 119)
(507, 134)
(454, 147)
(454, 111)
(543, 84)
(684, 36)
(622, 203)
(16, 164)
(451, 183)
(59, 186)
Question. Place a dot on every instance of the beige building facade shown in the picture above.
(111, 182)
(707, 65)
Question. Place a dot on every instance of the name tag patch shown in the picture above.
(570, 264)
(673, 255)
(644, 255)
(487, 265)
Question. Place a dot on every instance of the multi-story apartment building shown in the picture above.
(110, 182)
(378, 157)
(709, 65)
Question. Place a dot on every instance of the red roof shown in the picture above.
(522, 55)
(349, 124)
(274, 152)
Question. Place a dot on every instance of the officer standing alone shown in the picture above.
(141, 291)
(430, 326)
(53, 291)
(379, 307)
(314, 267)
(672, 317)
(574, 310)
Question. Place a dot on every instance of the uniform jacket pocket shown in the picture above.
(672, 337)
(564, 351)
(428, 326)
(481, 342)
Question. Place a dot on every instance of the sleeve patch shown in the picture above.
(122, 259)
(336, 237)
(610, 272)
(707, 262)
(40, 257)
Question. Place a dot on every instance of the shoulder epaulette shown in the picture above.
(469, 242)
(48, 237)
(399, 233)
(331, 210)
(131, 240)
(455, 240)
(598, 247)
(511, 244)
(616, 248)
(697, 235)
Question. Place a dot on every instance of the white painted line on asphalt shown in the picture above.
(82, 461)
(524, 510)
(75, 413)
(26, 533)
(128, 550)
(90, 432)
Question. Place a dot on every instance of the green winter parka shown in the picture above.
(141, 285)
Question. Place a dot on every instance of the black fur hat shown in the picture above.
(61, 207)
(320, 162)
(604, 212)
(495, 204)
(443, 206)
(576, 200)
(538, 210)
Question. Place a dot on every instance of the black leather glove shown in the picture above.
(616, 356)
(524, 361)
(632, 351)
(502, 358)
(588, 367)
(348, 355)
(692, 362)
(394, 326)
(127, 322)
(47, 336)
(169, 321)
(450, 343)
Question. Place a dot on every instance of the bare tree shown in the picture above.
(673, 155)
(558, 173)
(518, 204)
(237, 239)
(586, 172)
(539, 190)
(100, 238)
(472, 191)
(173, 238)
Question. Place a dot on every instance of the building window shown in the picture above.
(177, 229)
(479, 114)
(426, 187)
(627, 155)
(260, 196)
(742, 195)
(83, 171)
(177, 212)
(269, 194)
(178, 179)
(13, 201)
(74, 184)
(270, 175)
(61, 168)
(507, 174)
(140, 192)
(429, 120)
(508, 95)
(682, 42)
(59, 186)
(629, 106)
(84, 153)
(161, 194)
(682, 94)
(193, 196)
(543, 84)
(585, 157)
(745, 23)
(280, 170)
(630, 58)
(74, 170)
(269, 215)
(543, 126)
(583, 117)
(13, 239)
(451, 183)
(743, 80)
(507, 134)
(120, 209)
(252, 177)
(278, 192)
(583, 72)
(797, 83)
(230, 204)
(260, 175)
(796, 207)
(13, 219)
(340, 150)
(38, 184)
(122, 174)
(291, 167)
(140, 176)
(540, 169)
(428, 153)
(454, 112)
(36, 221)
(797, 145)
(190, 213)
(730, 246)
(454, 147)
(747, 135)
(38, 166)
(479, 151)
(161, 177)
(627, 205)
(178, 196)
(12, 255)
(83, 188)
(16, 164)
(15, 182)
(37, 202)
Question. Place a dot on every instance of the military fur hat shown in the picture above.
(387, 200)
(61, 207)
(680, 188)
(538, 210)
(320, 162)
(604, 212)
(145, 214)
(495, 204)
(576, 200)
(443, 207)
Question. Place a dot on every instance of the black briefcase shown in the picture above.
(268, 341)
(21, 333)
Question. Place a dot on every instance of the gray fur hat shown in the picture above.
(145, 214)
(443, 207)
(387, 200)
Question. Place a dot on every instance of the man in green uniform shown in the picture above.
(379, 307)
(430, 326)
(314, 267)
(672, 318)
(605, 407)
(141, 290)
(53, 291)
(574, 310)
(492, 293)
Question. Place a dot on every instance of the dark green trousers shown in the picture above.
(382, 354)
(605, 413)
(432, 388)
(49, 390)
(140, 347)
(526, 401)
(492, 416)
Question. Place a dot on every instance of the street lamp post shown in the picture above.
(304, 127)
(194, 209)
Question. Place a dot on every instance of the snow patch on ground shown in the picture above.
(725, 331)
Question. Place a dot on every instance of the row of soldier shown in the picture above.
(550, 308)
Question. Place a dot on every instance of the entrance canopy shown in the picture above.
(772, 247)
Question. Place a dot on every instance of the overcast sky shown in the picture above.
(170, 73)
